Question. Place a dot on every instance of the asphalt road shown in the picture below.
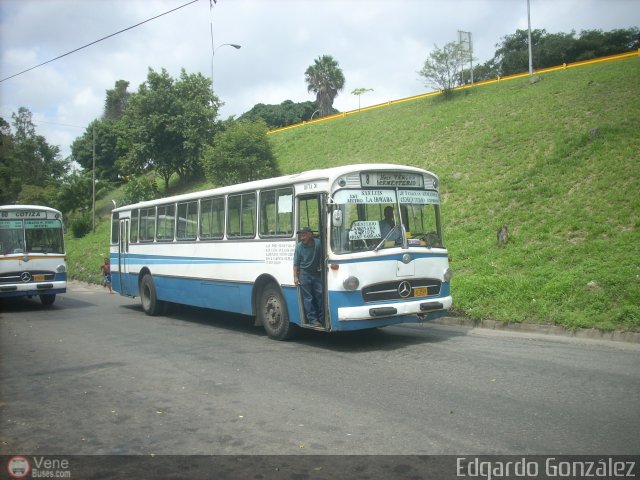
(95, 375)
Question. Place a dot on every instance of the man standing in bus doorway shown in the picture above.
(307, 273)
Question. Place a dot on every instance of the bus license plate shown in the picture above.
(420, 292)
(38, 278)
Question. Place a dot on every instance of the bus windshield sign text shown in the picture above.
(419, 197)
(365, 196)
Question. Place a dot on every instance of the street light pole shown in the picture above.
(213, 54)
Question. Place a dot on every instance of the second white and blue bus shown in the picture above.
(32, 255)
(231, 248)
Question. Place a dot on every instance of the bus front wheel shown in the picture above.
(273, 314)
(150, 303)
(48, 299)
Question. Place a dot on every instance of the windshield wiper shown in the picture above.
(387, 236)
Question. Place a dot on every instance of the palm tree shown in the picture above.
(325, 79)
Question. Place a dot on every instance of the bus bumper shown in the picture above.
(415, 307)
(33, 289)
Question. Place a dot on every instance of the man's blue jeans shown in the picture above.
(312, 297)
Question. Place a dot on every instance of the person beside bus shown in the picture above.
(307, 272)
(105, 268)
(387, 224)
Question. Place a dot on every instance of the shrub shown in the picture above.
(139, 189)
(81, 224)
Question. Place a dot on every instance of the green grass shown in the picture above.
(524, 155)
(84, 255)
(558, 161)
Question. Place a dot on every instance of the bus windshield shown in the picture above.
(31, 236)
(385, 218)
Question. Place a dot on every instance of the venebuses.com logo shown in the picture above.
(38, 467)
(18, 467)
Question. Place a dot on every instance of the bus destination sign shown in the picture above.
(12, 214)
(391, 179)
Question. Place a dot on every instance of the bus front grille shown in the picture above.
(30, 276)
(401, 290)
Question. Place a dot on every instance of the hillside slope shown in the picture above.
(558, 161)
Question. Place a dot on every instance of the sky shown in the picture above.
(379, 45)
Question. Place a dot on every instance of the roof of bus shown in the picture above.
(28, 207)
(326, 173)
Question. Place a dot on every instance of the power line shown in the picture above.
(36, 122)
(100, 40)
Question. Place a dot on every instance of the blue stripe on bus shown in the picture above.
(236, 297)
(213, 294)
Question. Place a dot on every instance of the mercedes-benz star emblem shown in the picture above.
(404, 289)
(25, 277)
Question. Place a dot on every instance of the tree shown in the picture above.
(102, 136)
(139, 189)
(325, 79)
(106, 149)
(166, 125)
(276, 116)
(550, 50)
(30, 167)
(595, 43)
(75, 192)
(23, 124)
(442, 68)
(241, 153)
(485, 71)
(116, 101)
(9, 183)
(359, 92)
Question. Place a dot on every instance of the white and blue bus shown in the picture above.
(32, 256)
(231, 248)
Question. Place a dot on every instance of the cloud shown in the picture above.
(378, 44)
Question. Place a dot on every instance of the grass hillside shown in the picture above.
(558, 161)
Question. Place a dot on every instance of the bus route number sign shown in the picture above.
(391, 179)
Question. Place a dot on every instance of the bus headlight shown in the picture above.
(350, 283)
(448, 274)
(61, 268)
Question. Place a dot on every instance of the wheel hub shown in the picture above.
(272, 311)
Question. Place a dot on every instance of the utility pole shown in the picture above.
(93, 181)
(529, 22)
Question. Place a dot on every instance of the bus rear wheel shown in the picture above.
(273, 314)
(148, 297)
(48, 299)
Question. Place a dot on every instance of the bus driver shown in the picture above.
(387, 224)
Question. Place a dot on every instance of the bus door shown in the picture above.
(312, 213)
(123, 250)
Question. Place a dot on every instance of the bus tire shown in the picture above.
(48, 299)
(273, 314)
(148, 297)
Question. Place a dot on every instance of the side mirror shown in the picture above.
(336, 218)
